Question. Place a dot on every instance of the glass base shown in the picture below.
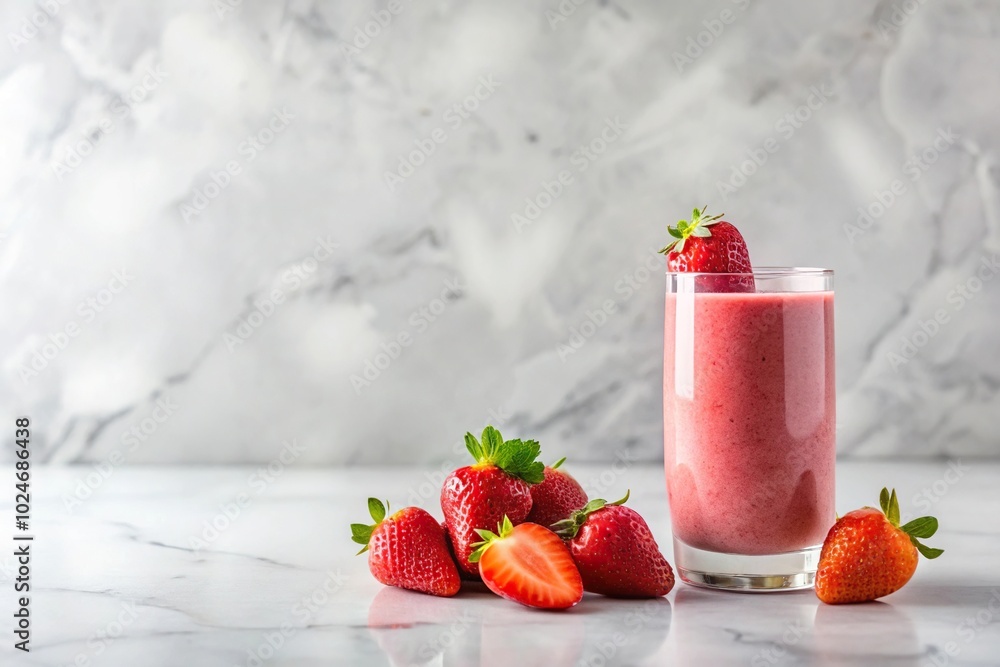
(789, 571)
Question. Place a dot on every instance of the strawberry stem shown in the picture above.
(698, 226)
(922, 527)
(569, 527)
(504, 529)
(514, 457)
(361, 532)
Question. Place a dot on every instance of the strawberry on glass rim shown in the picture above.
(709, 244)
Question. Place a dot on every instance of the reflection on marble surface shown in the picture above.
(228, 160)
(480, 629)
(168, 566)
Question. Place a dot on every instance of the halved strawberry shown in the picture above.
(707, 244)
(528, 564)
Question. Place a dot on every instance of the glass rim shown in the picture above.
(764, 272)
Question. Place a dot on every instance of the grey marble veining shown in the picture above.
(211, 241)
(135, 575)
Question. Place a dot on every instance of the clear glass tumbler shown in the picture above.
(749, 421)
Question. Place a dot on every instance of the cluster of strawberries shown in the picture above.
(551, 542)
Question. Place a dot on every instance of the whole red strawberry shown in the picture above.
(707, 244)
(615, 551)
(466, 576)
(555, 497)
(497, 485)
(867, 554)
(407, 550)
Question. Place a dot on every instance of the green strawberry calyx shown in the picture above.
(698, 226)
(514, 457)
(923, 527)
(555, 466)
(361, 532)
(569, 527)
(504, 529)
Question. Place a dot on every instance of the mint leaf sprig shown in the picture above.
(516, 457)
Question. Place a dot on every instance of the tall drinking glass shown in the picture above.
(749, 421)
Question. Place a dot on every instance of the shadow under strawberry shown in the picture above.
(415, 629)
(836, 640)
(624, 632)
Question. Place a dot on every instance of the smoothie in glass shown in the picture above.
(749, 414)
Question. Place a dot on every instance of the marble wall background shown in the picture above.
(200, 246)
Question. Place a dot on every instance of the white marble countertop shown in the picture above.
(117, 580)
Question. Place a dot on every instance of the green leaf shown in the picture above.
(555, 466)
(893, 512)
(695, 214)
(504, 529)
(927, 552)
(361, 534)
(376, 509)
(883, 501)
(560, 526)
(528, 452)
(569, 527)
(503, 458)
(487, 535)
(474, 447)
(594, 505)
(675, 232)
(518, 458)
(667, 248)
(534, 473)
(923, 527)
(701, 231)
(624, 499)
(492, 440)
(681, 226)
(680, 246)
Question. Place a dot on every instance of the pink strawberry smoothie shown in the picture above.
(749, 419)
